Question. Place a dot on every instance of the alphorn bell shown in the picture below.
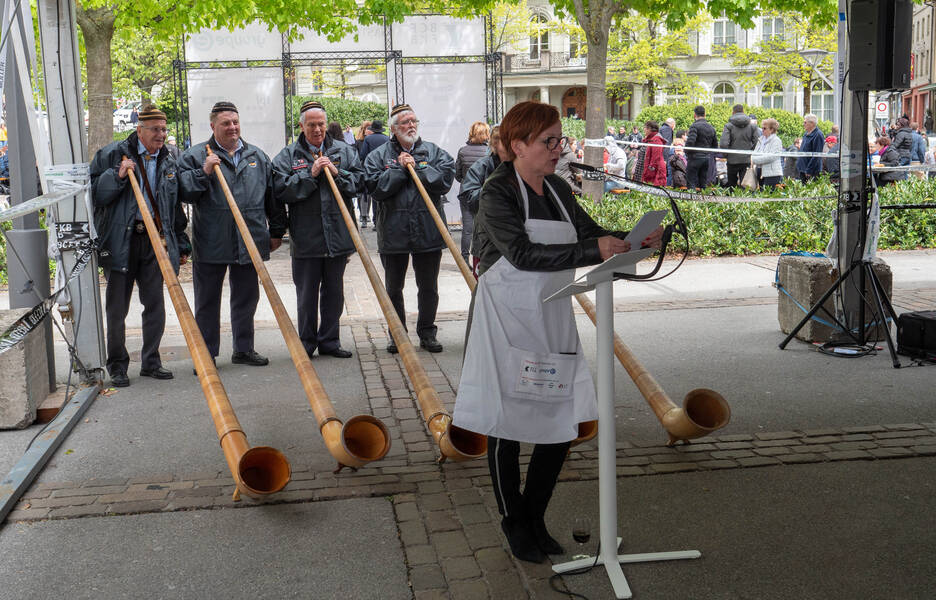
(363, 438)
(258, 471)
(454, 442)
(703, 412)
(586, 430)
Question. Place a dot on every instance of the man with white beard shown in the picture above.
(404, 225)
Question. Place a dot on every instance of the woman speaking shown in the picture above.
(524, 377)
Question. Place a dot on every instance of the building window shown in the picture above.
(772, 29)
(539, 40)
(723, 92)
(822, 101)
(723, 33)
(772, 96)
(576, 46)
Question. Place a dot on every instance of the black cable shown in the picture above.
(581, 571)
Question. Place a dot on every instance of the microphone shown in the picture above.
(583, 167)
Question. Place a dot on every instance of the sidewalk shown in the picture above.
(819, 488)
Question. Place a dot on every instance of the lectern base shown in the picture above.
(613, 566)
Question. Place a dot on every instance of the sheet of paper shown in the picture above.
(650, 221)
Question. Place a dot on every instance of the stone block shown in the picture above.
(806, 279)
(24, 375)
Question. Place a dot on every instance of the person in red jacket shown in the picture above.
(654, 165)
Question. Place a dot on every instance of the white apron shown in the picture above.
(524, 377)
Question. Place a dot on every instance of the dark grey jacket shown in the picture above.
(701, 134)
(739, 133)
(468, 155)
(115, 206)
(501, 229)
(903, 143)
(216, 238)
(404, 224)
(470, 192)
(316, 227)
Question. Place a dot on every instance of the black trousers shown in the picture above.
(697, 171)
(426, 268)
(467, 230)
(319, 286)
(143, 270)
(245, 292)
(736, 174)
(541, 476)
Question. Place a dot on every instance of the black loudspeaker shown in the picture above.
(879, 36)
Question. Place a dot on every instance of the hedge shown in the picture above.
(346, 112)
(717, 229)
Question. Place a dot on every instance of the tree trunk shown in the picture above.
(97, 26)
(651, 93)
(595, 75)
(807, 98)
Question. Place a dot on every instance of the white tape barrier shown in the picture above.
(697, 197)
(602, 143)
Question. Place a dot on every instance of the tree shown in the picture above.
(141, 62)
(597, 16)
(510, 24)
(776, 57)
(641, 50)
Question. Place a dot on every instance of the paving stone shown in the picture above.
(89, 510)
(776, 443)
(188, 503)
(309, 484)
(218, 482)
(906, 441)
(806, 457)
(847, 455)
(630, 471)
(734, 445)
(494, 559)
(569, 476)
(430, 487)
(141, 506)
(291, 495)
(413, 533)
(412, 437)
(33, 493)
(666, 458)
(698, 447)
(438, 501)
(778, 435)
(738, 437)
(772, 451)
(406, 511)
(902, 426)
(28, 514)
(732, 454)
(923, 450)
(204, 475)
(890, 452)
(863, 429)
(462, 567)
(856, 437)
(431, 595)
(758, 461)
(541, 590)
(55, 485)
(421, 555)
(506, 584)
(156, 478)
(101, 482)
(485, 535)
(853, 445)
(417, 477)
(820, 432)
(465, 496)
(57, 502)
(633, 461)
(133, 496)
(824, 439)
(457, 485)
(441, 520)
(473, 514)
(146, 487)
(674, 467)
(469, 590)
(450, 544)
(427, 577)
(812, 448)
(718, 464)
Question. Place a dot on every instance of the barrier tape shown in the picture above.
(602, 143)
(16, 332)
(697, 197)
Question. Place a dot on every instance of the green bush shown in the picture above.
(575, 128)
(346, 112)
(773, 227)
(791, 124)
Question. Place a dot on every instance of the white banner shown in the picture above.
(252, 42)
(439, 35)
(258, 95)
(368, 38)
(447, 99)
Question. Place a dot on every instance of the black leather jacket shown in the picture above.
(500, 226)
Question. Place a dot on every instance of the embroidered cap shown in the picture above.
(400, 108)
(223, 106)
(310, 105)
(151, 113)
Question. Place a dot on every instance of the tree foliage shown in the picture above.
(141, 62)
(773, 61)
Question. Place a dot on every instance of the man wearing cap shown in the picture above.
(404, 225)
(125, 250)
(319, 239)
(218, 247)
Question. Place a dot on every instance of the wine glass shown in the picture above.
(581, 533)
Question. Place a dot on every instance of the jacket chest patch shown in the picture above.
(422, 164)
(252, 164)
(170, 174)
(299, 164)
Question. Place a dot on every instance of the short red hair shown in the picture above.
(525, 121)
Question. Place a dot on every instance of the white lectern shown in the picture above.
(601, 278)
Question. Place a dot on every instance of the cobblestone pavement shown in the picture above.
(446, 515)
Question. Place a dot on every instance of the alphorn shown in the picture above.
(363, 438)
(454, 442)
(703, 412)
(587, 429)
(257, 471)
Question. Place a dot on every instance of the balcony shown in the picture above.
(547, 61)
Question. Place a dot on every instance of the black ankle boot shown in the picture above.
(544, 541)
(521, 540)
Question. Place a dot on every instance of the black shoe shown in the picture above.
(544, 541)
(338, 352)
(157, 373)
(249, 358)
(521, 541)
(430, 344)
(119, 379)
(391, 348)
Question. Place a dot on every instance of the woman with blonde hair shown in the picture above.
(474, 150)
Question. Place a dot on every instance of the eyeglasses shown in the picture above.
(161, 130)
(408, 122)
(553, 142)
